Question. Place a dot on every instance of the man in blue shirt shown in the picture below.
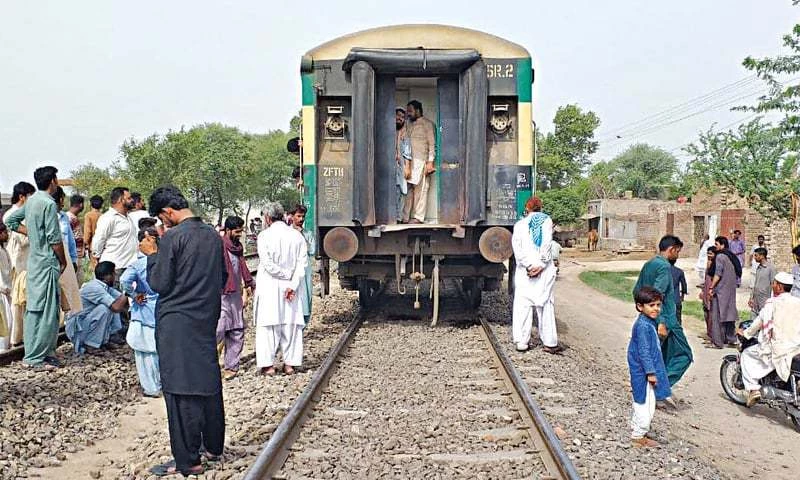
(91, 327)
(66, 229)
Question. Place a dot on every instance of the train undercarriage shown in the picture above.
(411, 257)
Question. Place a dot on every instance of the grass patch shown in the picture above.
(620, 286)
(613, 284)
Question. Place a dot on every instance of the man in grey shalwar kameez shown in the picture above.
(763, 275)
(722, 292)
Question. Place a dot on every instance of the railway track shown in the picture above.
(399, 398)
(15, 354)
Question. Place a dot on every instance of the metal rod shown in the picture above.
(274, 454)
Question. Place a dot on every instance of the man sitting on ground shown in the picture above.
(91, 328)
(778, 340)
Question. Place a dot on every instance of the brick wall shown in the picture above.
(778, 236)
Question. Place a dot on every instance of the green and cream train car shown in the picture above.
(476, 89)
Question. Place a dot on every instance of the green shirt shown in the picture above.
(657, 273)
(40, 215)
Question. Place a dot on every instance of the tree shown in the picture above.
(601, 181)
(563, 155)
(221, 156)
(91, 180)
(296, 124)
(566, 205)
(269, 171)
(753, 161)
(157, 160)
(783, 97)
(647, 171)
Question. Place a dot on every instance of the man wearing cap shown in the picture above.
(401, 156)
(778, 330)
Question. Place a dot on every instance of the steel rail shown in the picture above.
(555, 458)
(276, 451)
(17, 353)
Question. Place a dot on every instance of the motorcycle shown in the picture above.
(774, 392)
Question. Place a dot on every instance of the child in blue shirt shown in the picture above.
(649, 380)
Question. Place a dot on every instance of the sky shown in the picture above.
(79, 78)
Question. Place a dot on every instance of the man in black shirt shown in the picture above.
(188, 272)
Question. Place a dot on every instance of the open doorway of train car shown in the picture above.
(439, 98)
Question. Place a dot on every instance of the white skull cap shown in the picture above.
(784, 278)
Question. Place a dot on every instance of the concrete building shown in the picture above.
(735, 213)
(638, 224)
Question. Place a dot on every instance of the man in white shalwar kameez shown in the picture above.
(534, 278)
(278, 313)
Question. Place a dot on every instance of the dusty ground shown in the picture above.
(741, 442)
(138, 439)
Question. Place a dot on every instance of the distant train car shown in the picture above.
(476, 89)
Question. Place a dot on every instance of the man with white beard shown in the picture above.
(534, 278)
(278, 314)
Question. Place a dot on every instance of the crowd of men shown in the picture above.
(659, 353)
(774, 304)
(163, 281)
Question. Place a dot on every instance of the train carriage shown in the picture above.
(476, 89)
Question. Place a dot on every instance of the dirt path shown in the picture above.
(743, 443)
(139, 422)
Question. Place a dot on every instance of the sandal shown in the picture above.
(288, 370)
(39, 366)
(211, 458)
(554, 350)
(168, 468)
(268, 371)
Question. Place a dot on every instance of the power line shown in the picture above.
(724, 127)
(644, 131)
(688, 104)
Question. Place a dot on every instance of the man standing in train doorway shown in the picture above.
(402, 154)
(422, 134)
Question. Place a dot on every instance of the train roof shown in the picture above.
(429, 36)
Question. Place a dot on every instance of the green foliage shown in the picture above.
(619, 285)
(601, 181)
(220, 156)
(753, 161)
(296, 124)
(565, 205)
(614, 284)
(647, 171)
(91, 180)
(563, 155)
(220, 169)
(268, 174)
(783, 97)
